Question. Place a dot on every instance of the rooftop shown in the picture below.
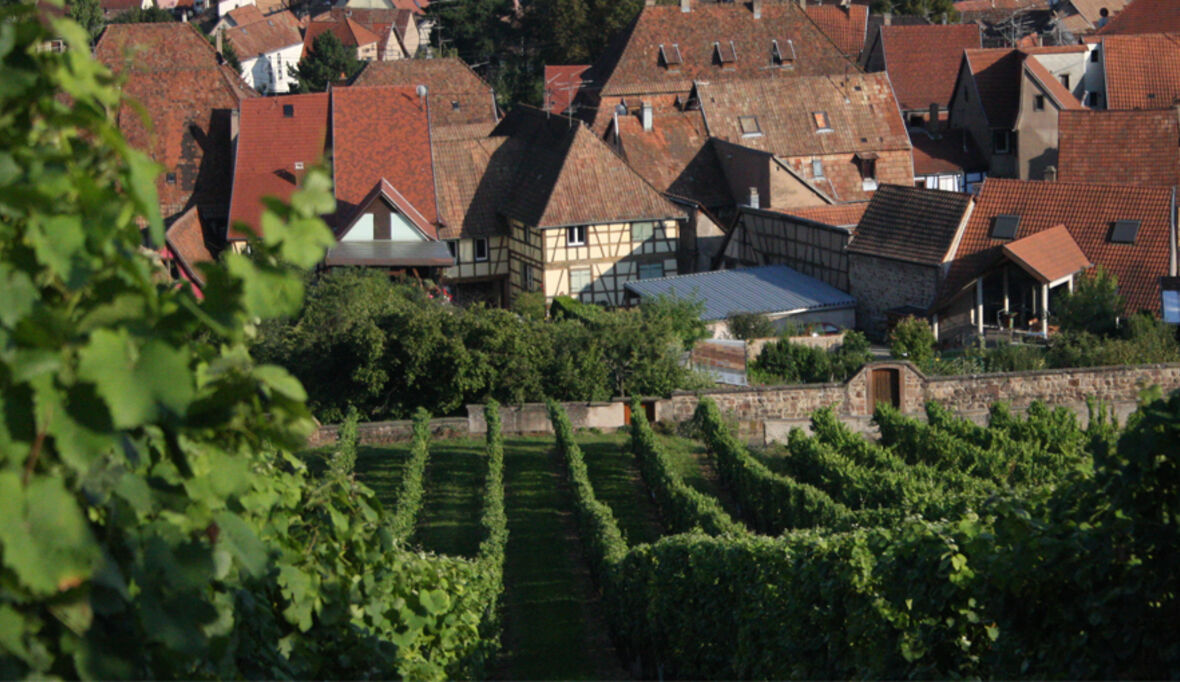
(845, 25)
(173, 72)
(1145, 16)
(1048, 255)
(951, 151)
(923, 61)
(267, 34)
(1124, 147)
(633, 63)
(910, 224)
(1142, 71)
(458, 96)
(836, 215)
(1089, 212)
(263, 168)
(763, 289)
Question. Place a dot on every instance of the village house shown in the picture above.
(382, 169)
(898, 258)
(806, 141)
(576, 220)
(266, 47)
(375, 34)
(812, 241)
(1008, 101)
(188, 97)
(922, 62)
(1026, 243)
(224, 7)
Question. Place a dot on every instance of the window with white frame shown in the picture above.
(579, 281)
(481, 249)
(817, 169)
(575, 236)
(453, 247)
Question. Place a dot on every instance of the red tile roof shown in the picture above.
(861, 111)
(1122, 147)
(1048, 255)
(675, 155)
(458, 96)
(185, 240)
(266, 167)
(382, 132)
(350, 33)
(837, 215)
(474, 178)
(269, 34)
(923, 61)
(844, 25)
(1142, 71)
(1145, 16)
(570, 177)
(562, 84)
(246, 14)
(381, 22)
(1088, 211)
(632, 64)
(173, 72)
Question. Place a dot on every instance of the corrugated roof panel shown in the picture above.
(763, 289)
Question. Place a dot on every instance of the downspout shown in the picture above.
(1172, 264)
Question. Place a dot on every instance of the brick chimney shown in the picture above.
(753, 202)
(1050, 174)
(756, 5)
(685, 5)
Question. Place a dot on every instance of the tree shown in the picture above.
(1094, 306)
(137, 15)
(328, 62)
(478, 30)
(88, 14)
(746, 326)
(156, 523)
(912, 339)
(934, 10)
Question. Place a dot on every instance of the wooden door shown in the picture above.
(885, 387)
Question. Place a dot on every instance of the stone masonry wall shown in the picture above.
(765, 413)
(879, 284)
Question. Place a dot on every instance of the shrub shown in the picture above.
(746, 326)
(912, 339)
(1094, 306)
(793, 362)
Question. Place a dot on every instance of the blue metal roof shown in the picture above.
(763, 289)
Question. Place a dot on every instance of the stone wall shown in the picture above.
(879, 284)
(766, 413)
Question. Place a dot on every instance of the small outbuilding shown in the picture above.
(783, 295)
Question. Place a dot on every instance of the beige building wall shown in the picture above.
(610, 256)
(367, 53)
(468, 267)
(1036, 143)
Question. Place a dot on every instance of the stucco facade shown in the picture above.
(268, 73)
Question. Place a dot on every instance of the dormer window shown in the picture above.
(867, 163)
(725, 54)
(298, 165)
(670, 56)
(1124, 231)
(821, 121)
(782, 54)
(749, 126)
(1004, 226)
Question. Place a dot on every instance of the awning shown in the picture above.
(1049, 255)
(385, 253)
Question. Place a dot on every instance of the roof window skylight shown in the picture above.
(1004, 226)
